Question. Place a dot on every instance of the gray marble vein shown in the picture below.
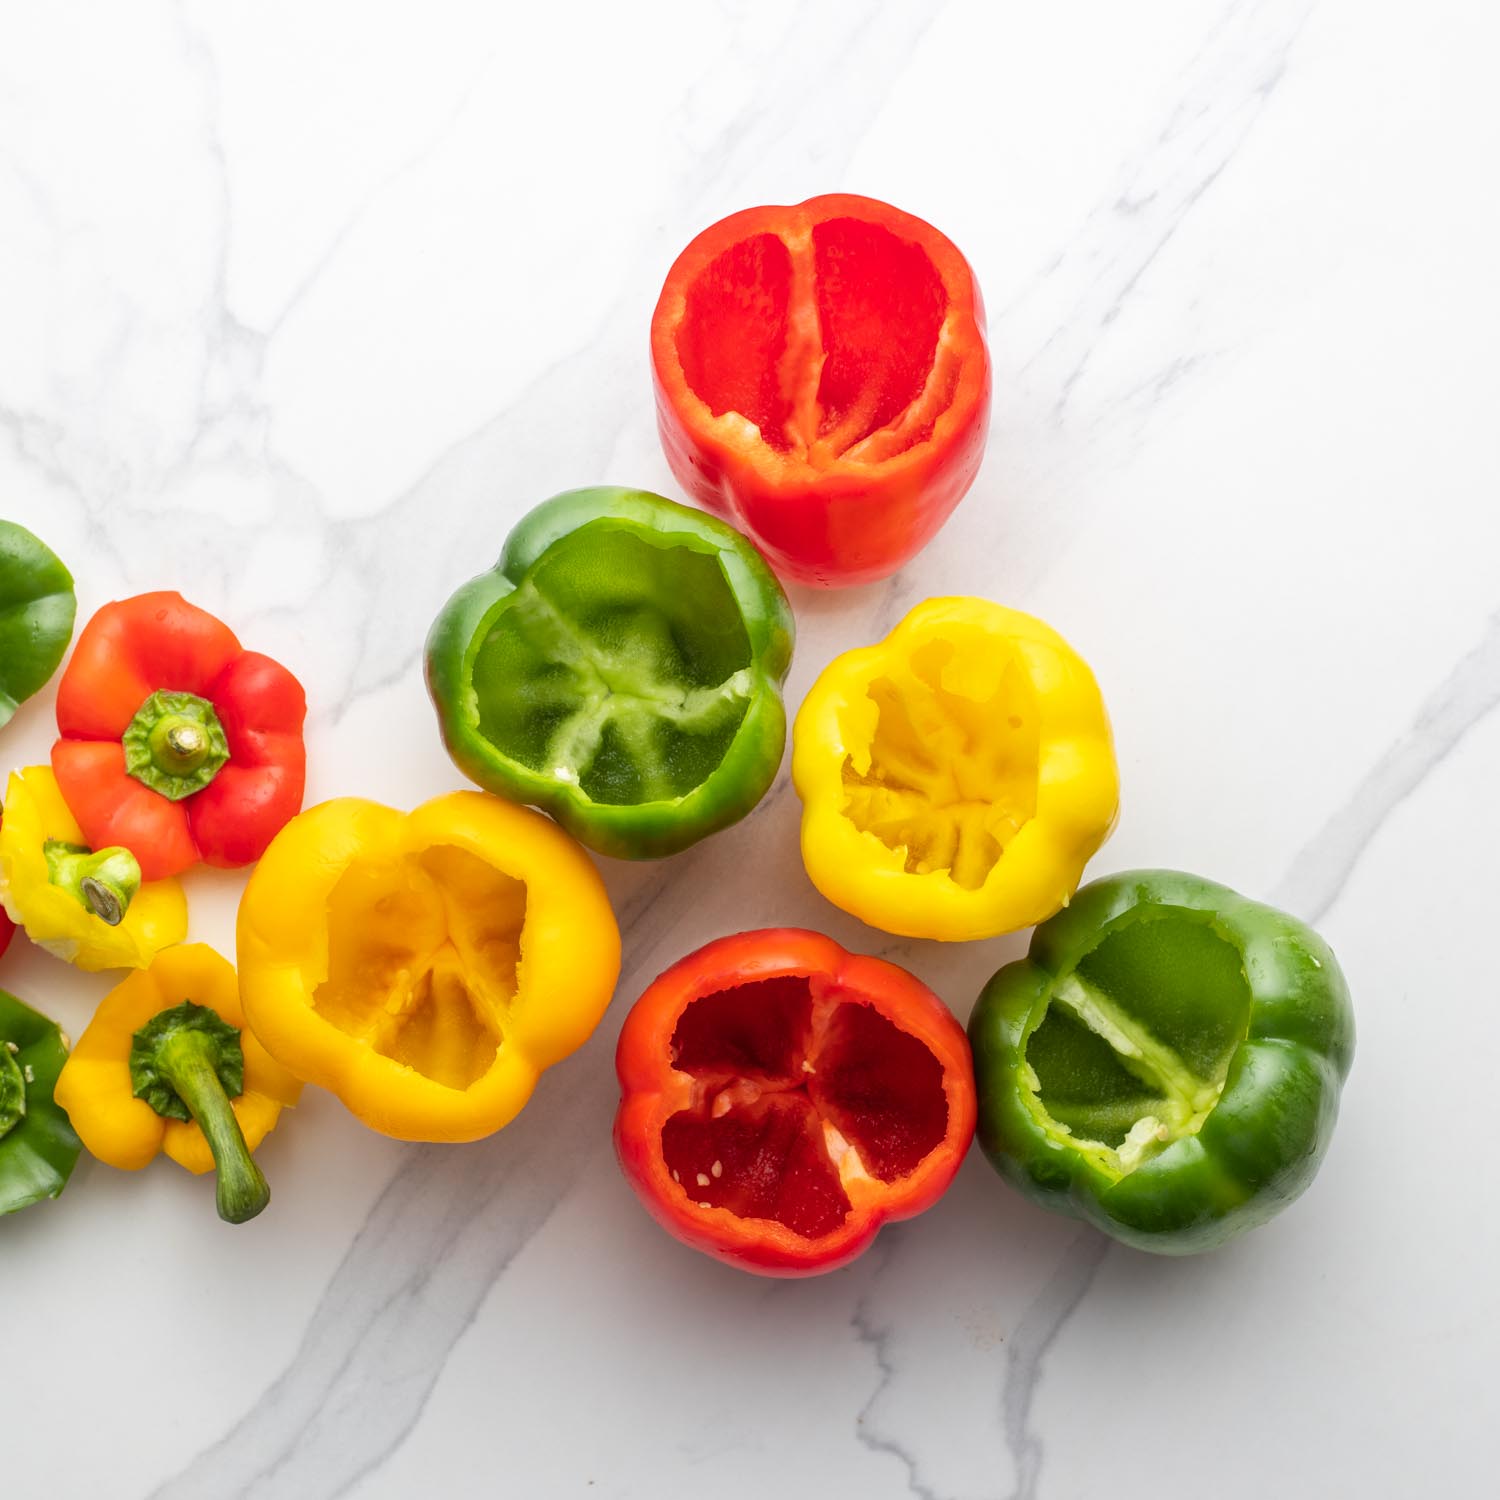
(1223, 93)
(876, 1337)
(1026, 1351)
(1465, 697)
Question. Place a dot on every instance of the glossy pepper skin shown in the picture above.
(38, 1147)
(822, 380)
(381, 957)
(621, 668)
(88, 908)
(127, 1115)
(1165, 1063)
(955, 777)
(177, 743)
(781, 1099)
(37, 606)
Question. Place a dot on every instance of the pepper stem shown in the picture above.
(103, 883)
(175, 744)
(187, 1063)
(178, 743)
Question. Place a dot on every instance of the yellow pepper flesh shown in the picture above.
(955, 777)
(95, 1086)
(35, 814)
(426, 966)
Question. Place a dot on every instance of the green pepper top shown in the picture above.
(37, 1144)
(1165, 1063)
(37, 606)
(187, 1064)
(620, 667)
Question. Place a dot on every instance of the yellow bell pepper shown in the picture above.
(957, 776)
(167, 1065)
(86, 908)
(426, 966)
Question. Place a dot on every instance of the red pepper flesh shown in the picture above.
(822, 380)
(781, 1099)
(161, 643)
(7, 927)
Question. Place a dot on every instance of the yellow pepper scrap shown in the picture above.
(150, 919)
(957, 776)
(426, 966)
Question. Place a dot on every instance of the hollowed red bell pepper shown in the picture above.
(177, 744)
(822, 380)
(781, 1099)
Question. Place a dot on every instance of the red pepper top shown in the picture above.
(822, 379)
(176, 742)
(781, 1099)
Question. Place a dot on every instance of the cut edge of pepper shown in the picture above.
(1138, 1051)
(563, 782)
(827, 995)
(945, 400)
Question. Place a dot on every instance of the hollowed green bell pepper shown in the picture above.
(1165, 1063)
(37, 606)
(620, 667)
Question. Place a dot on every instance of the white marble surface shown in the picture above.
(302, 304)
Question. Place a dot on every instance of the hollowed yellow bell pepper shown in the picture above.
(167, 1065)
(957, 776)
(426, 966)
(85, 907)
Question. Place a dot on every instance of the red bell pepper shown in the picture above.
(176, 742)
(822, 380)
(781, 1099)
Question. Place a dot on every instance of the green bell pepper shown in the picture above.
(1166, 1061)
(37, 1145)
(620, 667)
(37, 606)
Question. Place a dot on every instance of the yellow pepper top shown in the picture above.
(96, 1086)
(426, 966)
(956, 777)
(55, 887)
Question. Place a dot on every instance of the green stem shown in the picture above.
(187, 1061)
(175, 744)
(178, 745)
(103, 884)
